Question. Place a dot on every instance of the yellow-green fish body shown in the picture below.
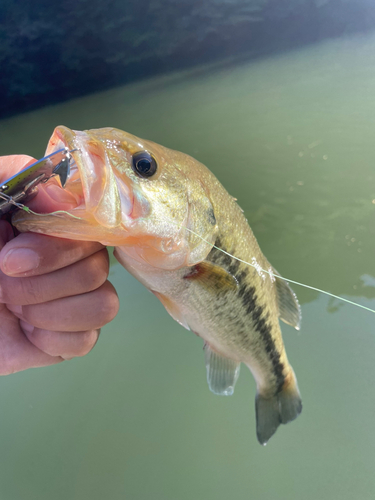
(179, 232)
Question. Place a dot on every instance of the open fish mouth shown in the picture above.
(103, 200)
(92, 181)
(64, 138)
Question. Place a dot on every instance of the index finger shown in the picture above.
(31, 254)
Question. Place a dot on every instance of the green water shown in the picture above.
(292, 137)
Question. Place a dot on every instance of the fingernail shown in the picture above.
(26, 327)
(58, 194)
(20, 260)
(17, 310)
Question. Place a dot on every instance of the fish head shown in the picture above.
(151, 201)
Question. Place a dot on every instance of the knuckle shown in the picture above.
(83, 249)
(29, 290)
(20, 291)
(29, 315)
(96, 269)
(3, 292)
(66, 345)
(8, 288)
(87, 341)
(111, 302)
(43, 340)
(38, 315)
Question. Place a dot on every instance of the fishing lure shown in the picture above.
(22, 187)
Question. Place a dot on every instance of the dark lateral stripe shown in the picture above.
(241, 276)
(218, 257)
(249, 300)
(215, 254)
(234, 267)
(222, 259)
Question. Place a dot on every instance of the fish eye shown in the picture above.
(144, 164)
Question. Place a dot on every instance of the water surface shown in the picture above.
(292, 137)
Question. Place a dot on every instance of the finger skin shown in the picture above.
(12, 164)
(17, 353)
(67, 345)
(88, 311)
(6, 233)
(55, 310)
(53, 253)
(81, 277)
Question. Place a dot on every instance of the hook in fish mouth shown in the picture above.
(69, 170)
(63, 168)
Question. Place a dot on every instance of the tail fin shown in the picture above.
(282, 408)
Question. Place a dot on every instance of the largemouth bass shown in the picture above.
(177, 230)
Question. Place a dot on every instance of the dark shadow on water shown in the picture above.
(51, 55)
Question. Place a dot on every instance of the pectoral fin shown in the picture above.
(214, 278)
(289, 308)
(222, 373)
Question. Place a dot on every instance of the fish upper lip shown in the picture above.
(61, 136)
(67, 138)
(64, 142)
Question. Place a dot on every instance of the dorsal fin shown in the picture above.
(222, 373)
(289, 308)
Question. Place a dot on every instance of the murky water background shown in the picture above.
(292, 137)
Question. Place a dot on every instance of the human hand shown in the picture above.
(54, 293)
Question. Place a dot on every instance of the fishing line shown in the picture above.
(258, 268)
(56, 213)
(23, 207)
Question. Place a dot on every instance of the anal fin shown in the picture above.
(222, 373)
